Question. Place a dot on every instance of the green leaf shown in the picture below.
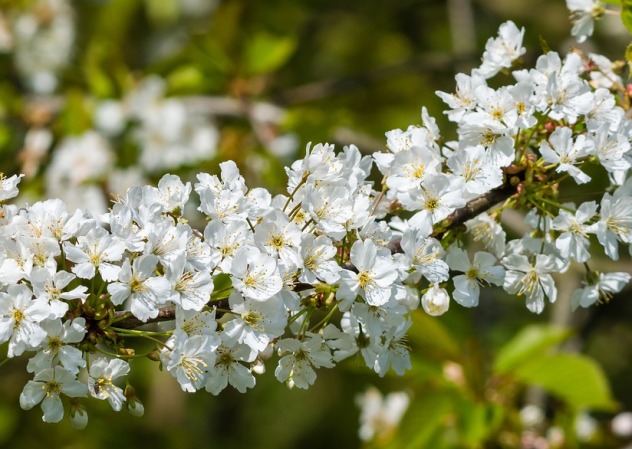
(478, 421)
(185, 79)
(75, 118)
(626, 14)
(424, 419)
(628, 57)
(574, 378)
(544, 45)
(265, 53)
(531, 341)
(162, 12)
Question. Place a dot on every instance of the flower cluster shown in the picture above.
(332, 267)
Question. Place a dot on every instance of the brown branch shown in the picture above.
(479, 205)
(472, 209)
(131, 322)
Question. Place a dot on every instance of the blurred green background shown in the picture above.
(327, 71)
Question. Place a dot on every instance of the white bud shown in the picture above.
(135, 407)
(78, 417)
(435, 301)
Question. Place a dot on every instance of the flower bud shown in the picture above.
(258, 367)
(435, 301)
(78, 416)
(135, 407)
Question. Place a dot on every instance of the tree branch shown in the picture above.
(457, 218)
(131, 322)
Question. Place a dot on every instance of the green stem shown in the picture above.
(325, 320)
(137, 333)
(298, 186)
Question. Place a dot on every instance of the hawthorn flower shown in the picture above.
(21, 317)
(565, 152)
(481, 270)
(330, 208)
(255, 274)
(278, 236)
(393, 352)
(8, 187)
(317, 254)
(51, 286)
(57, 348)
(102, 374)
(191, 289)
(573, 241)
(600, 288)
(611, 150)
(487, 231)
(190, 360)
(96, 250)
(144, 291)
(229, 370)
(375, 277)
(256, 322)
(411, 167)
(424, 255)
(171, 193)
(500, 52)
(464, 100)
(47, 387)
(437, 199)
(583, 15)
(615, 223)
(476, 171)
(299, 358)
(192, 322)
(530, 278)
(225, 240)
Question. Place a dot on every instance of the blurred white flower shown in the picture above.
(380, 415)
(622, 425)
(43, 41)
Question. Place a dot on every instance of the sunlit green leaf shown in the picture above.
(626, 14)
(186, 78)
(162, 11)
(574, 378)
(628, 57)
(531, 341)
(266, 53)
